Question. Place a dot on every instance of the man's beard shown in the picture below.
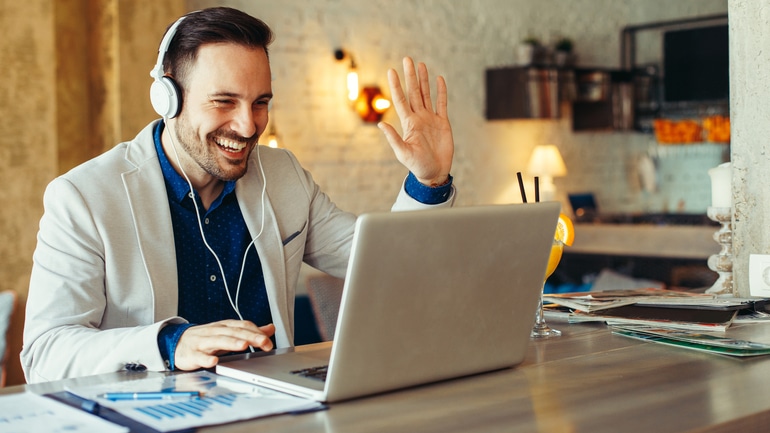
(205, 155)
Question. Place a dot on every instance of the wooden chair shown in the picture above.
(7, 307)
(325, 293)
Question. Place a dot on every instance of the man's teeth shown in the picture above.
(229, 144)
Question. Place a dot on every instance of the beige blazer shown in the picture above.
(104, 275)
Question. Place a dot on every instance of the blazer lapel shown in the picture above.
(270, 250)
(148, 200)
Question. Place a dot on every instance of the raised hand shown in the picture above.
(426, 147)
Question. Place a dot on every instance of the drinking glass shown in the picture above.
(541, 329)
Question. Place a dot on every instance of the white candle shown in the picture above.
(721, 185)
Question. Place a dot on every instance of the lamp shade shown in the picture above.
(546, 161)
(371, 105)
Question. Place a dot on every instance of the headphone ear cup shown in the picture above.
(165, 97)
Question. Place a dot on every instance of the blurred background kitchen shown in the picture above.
(76, 81)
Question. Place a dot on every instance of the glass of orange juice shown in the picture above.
(541, 329)
(565, 234)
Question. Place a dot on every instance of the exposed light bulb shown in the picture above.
(352, 85)
(272, 141)
(380, 104)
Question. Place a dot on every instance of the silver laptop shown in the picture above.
(429, 296)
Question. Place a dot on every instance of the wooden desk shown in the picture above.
(588, 380)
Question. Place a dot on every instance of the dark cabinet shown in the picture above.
(522, 93)
(604, 100)
(600, 98)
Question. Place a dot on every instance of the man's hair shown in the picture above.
(207, 26)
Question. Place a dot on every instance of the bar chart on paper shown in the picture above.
(221, 400)
(196, 407)
(164, 415)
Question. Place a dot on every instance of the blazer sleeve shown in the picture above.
(66, 332)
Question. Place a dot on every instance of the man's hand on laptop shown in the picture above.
(199, 346)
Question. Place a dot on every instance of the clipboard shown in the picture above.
(104, 412)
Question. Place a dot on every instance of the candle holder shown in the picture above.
(722, 263)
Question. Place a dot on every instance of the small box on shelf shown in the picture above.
(710, 129)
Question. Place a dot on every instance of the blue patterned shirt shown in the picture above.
(202, 294)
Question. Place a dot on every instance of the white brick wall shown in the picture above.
(458, 39)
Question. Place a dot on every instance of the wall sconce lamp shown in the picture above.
(272, 137)
(352, 77)
(369, 102)
(546, 162)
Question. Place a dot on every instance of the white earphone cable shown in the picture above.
(233, 304)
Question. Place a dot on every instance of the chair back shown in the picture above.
(325, 293)
(7, 307)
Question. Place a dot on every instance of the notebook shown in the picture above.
(429, 296)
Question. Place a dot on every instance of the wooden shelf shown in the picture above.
(671, 241)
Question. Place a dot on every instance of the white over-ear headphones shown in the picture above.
(164, 92)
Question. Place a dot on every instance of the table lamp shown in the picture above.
(546, 163)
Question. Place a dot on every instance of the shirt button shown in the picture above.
(213, 278)
(191, 195)
(206, 221)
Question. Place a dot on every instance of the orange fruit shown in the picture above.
(565, 230)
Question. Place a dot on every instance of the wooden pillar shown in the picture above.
(75, 83)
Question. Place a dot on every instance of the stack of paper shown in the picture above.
(659, 307)
(28, 412)
(694, 340)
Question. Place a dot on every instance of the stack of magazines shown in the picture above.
(653, 307)
(693, 340)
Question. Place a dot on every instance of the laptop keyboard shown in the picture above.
(318, 373)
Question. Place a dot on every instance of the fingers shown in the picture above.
(200, 346)
(418, 85)
(397, 94)
(441, 97)
(268, 331)
(413, 91)
(417, 89)
(237, 335)
(422, 75)
(394, 139)
(195, 361)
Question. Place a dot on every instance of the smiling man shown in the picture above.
(186, 242)
(225, 113)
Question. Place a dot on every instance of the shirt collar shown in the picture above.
(177, 186)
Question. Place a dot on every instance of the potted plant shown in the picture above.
(527, 49)
(563, 52)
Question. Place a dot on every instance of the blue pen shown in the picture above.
(156, 395)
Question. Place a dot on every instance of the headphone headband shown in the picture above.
(164, 92)
(157, 72)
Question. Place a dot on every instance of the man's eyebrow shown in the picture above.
(235, 95)
(223, 94)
